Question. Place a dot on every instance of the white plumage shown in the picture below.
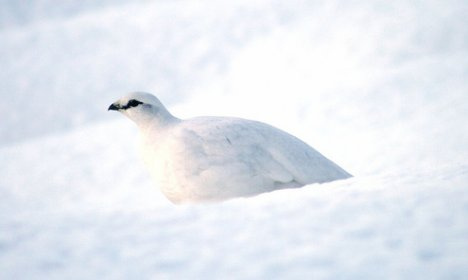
(216, 158)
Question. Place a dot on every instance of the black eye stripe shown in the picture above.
(132, 103)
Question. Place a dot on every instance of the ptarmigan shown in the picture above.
(217, 158)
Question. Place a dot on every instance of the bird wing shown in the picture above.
(270, 153)
(236, 152)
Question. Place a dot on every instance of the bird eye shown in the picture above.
(133, 103)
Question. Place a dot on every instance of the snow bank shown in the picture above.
(92, 212)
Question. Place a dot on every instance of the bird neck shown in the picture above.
(150, 122)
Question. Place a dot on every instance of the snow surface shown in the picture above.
(378, 87)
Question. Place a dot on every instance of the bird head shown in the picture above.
(142, 108)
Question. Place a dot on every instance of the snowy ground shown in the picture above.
(379, 87)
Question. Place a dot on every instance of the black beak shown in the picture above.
(113, 107)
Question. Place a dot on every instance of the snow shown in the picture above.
(379, 88)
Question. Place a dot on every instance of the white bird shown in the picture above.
(217, 158)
